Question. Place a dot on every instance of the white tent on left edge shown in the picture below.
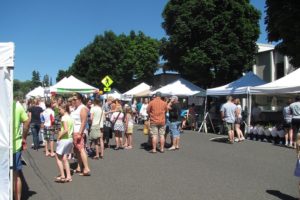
(6, 87)
(72, 84)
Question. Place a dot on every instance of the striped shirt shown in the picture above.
(157, 109)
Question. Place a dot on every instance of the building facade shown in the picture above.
(269, 64)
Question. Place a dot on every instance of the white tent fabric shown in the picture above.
(238, 87)
(6, 88)
(142, 89)
(72, 84)
(285, 85)
(113, 93)
(38, 91)
(180, 87)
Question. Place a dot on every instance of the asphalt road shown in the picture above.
(201, 169)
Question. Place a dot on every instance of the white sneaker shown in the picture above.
(236, 140)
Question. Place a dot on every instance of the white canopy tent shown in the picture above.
(70, 85)
(36, 92)
(238, 87)
(113, 93)
(241, 86)
(286, 85)
(142, 89)
(180, 87)
(6, 141)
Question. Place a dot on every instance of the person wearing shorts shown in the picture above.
(96, 134)
(64, 144)
(287, 124)
(295, 110)
(19, 143)
(129, 120)
(228, 112)
(174, 125)
(80, 118)
(48, 117)
(156, 110)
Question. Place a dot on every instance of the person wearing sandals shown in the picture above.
(118, 126)
(228, 117)
(157, 109)
(129, 120)
(238, 120)
(49, 119)
(174, 118)
(64, 145)
(96, 134)
(80, 118)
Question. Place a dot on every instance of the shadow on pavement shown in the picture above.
(26, 193)
(280, 195)
(220, 140)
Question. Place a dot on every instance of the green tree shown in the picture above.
(211, 42)
(282, 22)
(46, 81)
(60, 75)
(21, 88)
(126, 59)
(50, 82)
(35, 80)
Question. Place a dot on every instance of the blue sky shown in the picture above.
(49, 34)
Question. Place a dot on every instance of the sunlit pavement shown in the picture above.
(201, 169)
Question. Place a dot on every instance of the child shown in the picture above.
(64, 145)
(128, 127)
(48, 124)
(297, 169)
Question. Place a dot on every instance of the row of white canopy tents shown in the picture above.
(7, 51)
(179, 87)
(250, 84)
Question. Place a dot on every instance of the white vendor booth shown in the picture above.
(70, 85)
(6, 88)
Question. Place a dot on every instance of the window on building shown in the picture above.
(279, 70)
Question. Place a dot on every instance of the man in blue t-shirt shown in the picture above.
(228, 117)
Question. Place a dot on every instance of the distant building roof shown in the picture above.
(160, 71)
(265, 47)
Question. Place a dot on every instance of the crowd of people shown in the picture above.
(84, 127)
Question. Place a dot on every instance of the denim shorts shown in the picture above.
(17, 164)
(174, 128)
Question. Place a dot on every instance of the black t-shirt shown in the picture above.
(174, 113)
(35, 114)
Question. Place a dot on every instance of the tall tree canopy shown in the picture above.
(35, 80)
(126, 59)
(211, 42)
(283, 26)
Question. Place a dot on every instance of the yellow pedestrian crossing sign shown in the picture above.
(106, 89)
(106, 81)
